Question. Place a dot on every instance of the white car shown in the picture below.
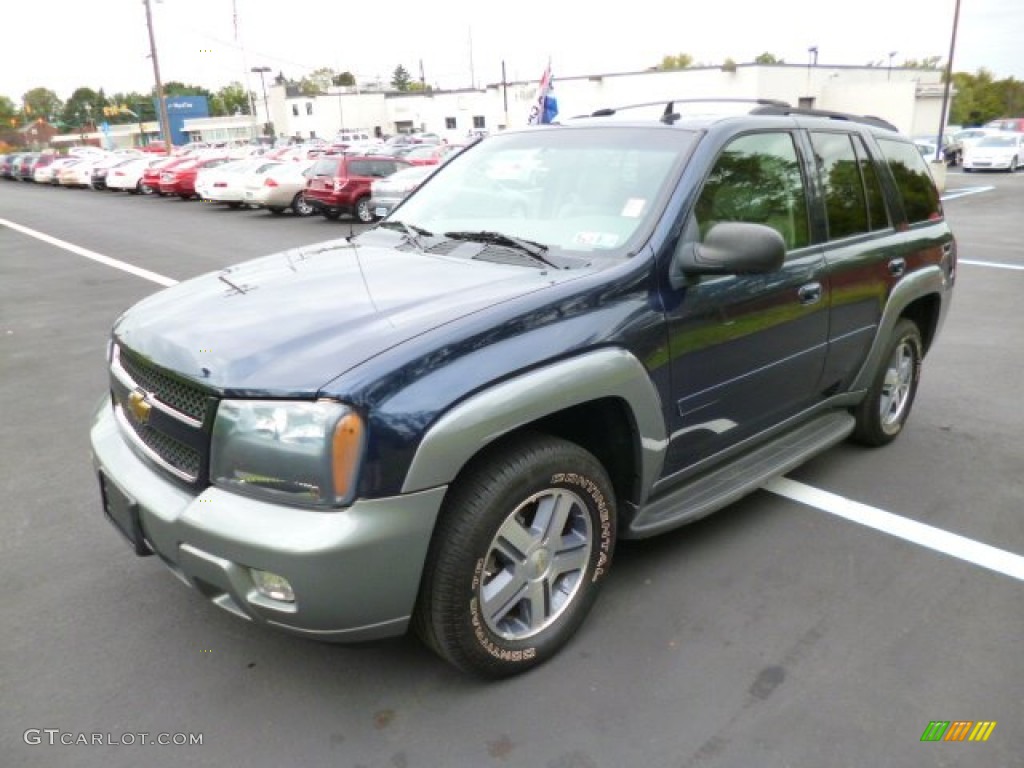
(225, 183)
(79, 173)
(280, 188)
(127, 177)
(1001, 152)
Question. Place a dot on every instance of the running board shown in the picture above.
(728, 482)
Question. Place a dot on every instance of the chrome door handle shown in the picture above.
(809, 293)
(897, 267)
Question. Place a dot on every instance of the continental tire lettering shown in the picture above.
(605, 542)
(502, 654)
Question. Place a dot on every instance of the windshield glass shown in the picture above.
(574, 190)
(998, 141)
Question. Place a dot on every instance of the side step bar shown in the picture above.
(723, 485)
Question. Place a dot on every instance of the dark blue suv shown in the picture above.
(570, 334)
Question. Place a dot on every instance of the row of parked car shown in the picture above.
(997, 146)
(364, 180)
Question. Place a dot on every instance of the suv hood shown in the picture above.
(284, 325)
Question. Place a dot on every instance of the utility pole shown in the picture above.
(949, 84)
(504, 91)
(165, 123)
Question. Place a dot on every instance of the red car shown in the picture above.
(151, 176)
(341, 183)
(180, 180)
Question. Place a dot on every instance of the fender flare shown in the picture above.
(924, 282)
(488, 415)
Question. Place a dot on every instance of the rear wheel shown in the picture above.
(1014, 164)
(363, 212)
(301, 206)
(519, 552)
(882, 414)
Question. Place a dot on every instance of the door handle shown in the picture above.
(897, 267)
(809, 293)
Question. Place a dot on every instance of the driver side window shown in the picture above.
(757, 179)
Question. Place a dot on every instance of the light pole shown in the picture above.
(891, 55)
(266, 106)
(949, 84)
(165, 123)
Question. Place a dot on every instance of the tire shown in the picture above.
(1014, 164)
(332, 215)
(300, 206)
(491, 602)
(363, 211)
(884, 411)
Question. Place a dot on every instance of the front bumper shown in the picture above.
(355, 571)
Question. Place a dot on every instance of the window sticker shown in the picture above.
(595, 240)
(634, 207)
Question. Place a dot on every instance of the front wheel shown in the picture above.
(884, 411)
(524, 540)
(1014, 165)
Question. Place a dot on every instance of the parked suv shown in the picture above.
(341, 183)
(446, 422)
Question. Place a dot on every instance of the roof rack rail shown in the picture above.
(669, 115)
(877, 122)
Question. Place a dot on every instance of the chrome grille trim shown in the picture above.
(123, 376)
(156, 458)
(185, 403)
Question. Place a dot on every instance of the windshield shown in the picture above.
(998, 141)
(574, 190)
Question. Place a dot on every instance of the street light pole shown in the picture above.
(891, 55)
(266, 105)
(944, 117)
(165, 122)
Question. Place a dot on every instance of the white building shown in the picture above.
(911, 99)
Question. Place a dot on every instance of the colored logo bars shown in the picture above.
(958, 730)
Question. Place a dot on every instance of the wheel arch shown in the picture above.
(603, 401)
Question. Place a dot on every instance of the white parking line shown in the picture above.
(993, 264)
(98, 257)
(992, 558)
(953, 194)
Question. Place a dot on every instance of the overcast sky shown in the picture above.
(64, 44)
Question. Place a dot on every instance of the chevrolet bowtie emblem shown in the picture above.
(138, 406)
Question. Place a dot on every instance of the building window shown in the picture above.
(309, 107)
(312, 134)
(295, 110)
(449, 123)
(478, 121)
(805, 102)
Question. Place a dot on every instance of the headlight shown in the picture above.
(296, 452)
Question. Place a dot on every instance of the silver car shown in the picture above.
(386, 194)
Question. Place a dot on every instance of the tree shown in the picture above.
(232, 99)
(41, 102)
(8, 112)
(401, 78)
(768, 58)
(83, 107)
(680, 61)
(929, 62)
(345, 78)
(729, 65)
(176, 88)
(980, 98)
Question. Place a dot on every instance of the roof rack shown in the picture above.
(669, 115)
(877, 122)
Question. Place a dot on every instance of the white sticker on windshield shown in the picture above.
(634, 207)
(595, 240)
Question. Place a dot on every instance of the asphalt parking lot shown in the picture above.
(771, 634)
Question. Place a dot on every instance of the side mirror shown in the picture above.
(729, 248)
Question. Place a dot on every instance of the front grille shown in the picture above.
(178, 455)
(182, 397)
(173, 431)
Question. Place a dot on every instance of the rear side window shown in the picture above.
(757, 179)
(840, 178)
(878, 216)
(326, 166)
(920, 198)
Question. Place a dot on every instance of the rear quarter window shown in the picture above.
(327, 166)
(913, 180)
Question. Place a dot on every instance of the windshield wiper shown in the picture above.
(529, 247)
(412, 232)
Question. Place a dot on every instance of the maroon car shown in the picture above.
(341, 183)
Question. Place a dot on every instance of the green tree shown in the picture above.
(679, 61)
(401, 78)
(41, 102)
(344, 78)
(980, 97)
(768, 58)
(83, 107)
(8, 112)
(232, 99)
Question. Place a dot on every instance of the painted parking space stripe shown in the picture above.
(97, 257)
(993, 264)
(953, 194)
(937, 539)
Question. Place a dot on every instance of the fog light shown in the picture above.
(273, 586)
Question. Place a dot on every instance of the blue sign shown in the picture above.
(180, 109)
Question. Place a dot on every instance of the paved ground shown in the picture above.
(771, 634)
